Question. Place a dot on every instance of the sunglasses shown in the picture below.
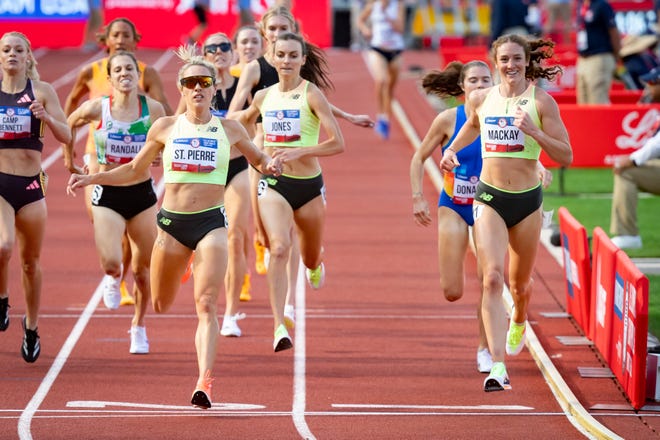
(190, 82)
(213, 48)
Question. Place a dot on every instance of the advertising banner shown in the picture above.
(600, 133)
(630, 328)
(602, 292)
(577, 266)
(162, 23)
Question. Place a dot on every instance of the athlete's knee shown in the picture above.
(141, 276)
(279, 249)
(30, 267)
(6, 250)
(206, 303)
(452, 293)
(111, 267)
(522, 291)
(236, 240)
(493, 281)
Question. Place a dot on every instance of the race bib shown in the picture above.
(501, 136)
(460, 187)
(122, 148)
(282, 125)
(195, 155)
(15, 122)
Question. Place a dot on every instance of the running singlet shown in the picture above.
(99, 85)
(461, 183)
(196, 153)
(499, 137)
(383, 34)
(267, 76)
(19, 128)
(287, 119)
(117, 141)
(220, 104)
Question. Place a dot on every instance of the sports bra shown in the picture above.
(19, 128)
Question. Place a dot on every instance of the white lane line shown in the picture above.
(163, 60)
(215, 407)
(576, 414)
(299, 360)
(454, 407)
(73, 73)
(25, 420)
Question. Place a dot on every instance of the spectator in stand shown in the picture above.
(92, 25)
(638, 56)
(640, 171)
(558, 23)
(509, 17)
(651, 91)
(201, 10)
(598, 44)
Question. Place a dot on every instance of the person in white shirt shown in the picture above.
(640, 171)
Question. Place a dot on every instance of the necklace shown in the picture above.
(201, 122)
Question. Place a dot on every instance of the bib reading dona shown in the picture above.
(196, 153)
(499, 137)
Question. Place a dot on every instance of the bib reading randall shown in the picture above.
(118, 141)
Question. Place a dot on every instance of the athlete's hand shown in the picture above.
(449, 160)
(76, 181)
(360, 120)
(421, 210)
(274, 166)
(523, 121)
(39, 111)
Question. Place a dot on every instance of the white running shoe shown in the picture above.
(289, 316)
(111, 292)
(498, 379)
(139, 341)
(484, 361)
(229, 325)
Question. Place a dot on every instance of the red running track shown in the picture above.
(378, 354)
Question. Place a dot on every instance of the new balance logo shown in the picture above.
(33, 185)
(24, 99)
(486, 197)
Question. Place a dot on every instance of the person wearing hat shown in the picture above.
(639, 171)
(651, 91)
(637, 54)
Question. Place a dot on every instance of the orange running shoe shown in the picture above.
(201, 397)
(245, 290)
(189, 269)
(126, 298)
(260, 254)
